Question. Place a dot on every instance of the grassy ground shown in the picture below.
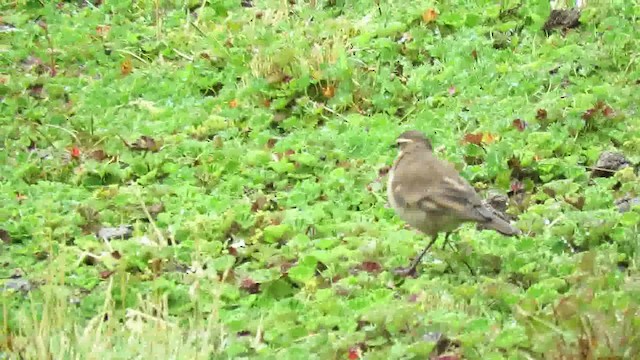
(243, 146)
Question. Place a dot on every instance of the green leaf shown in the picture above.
(511, 337)
(630, 218)
(278, 289)
(275, 233)
(304, 270)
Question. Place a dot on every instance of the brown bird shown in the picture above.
(430, 195)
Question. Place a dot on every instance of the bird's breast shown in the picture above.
(414, 217)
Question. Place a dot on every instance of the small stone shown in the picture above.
(608, 163)
(18, 284)
(562, 19)
(497, 200)
(626, 203)
(109, 233)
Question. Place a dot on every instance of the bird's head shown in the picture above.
(412, 138)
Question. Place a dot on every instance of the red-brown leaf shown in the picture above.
(516, 186)
(271, 143)
(587, 115)
(608, 112)
(250, 286)
(475, 139)
(519, 124)
(371, 266)
(106, 274)
(284, 267)
(35, 90)
(541, 114)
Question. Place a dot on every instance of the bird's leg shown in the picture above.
(456, 250)
(466, 264)
(446, 240)
(411, 269)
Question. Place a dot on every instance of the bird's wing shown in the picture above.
(433, 185)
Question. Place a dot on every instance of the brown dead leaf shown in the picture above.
(271, 143)
(259, 203)
(474, 54)
(488, 138)
(575, 201)
(103, 30)
(106, 274)
(21, 197)
(329, 91)
(370, 266)
(144, 143)
(126, 67)
(5, 236)
(43, 24)
(541, 114)
(566, 308)
(156, 266)
(98, 155)
(284, 267)
(475, 139)
(429, 15)
(155, 209)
